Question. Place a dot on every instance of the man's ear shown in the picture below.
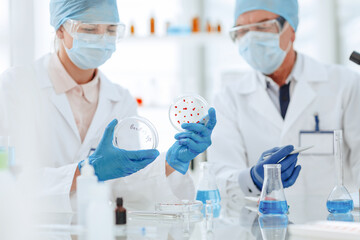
(60, 32)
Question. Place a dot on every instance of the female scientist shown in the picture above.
(79, 101)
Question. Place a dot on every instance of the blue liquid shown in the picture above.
(214, 196)
(340, 206)
(273, 207)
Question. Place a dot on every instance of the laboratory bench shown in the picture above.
(308, 218)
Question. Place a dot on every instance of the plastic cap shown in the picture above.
(355, 57)
(119, 202)
(87, 169)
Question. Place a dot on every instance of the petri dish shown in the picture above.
(183, 206)
(135, 133)
(188, 109)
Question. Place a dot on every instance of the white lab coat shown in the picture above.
(45, 121)
(249, 124)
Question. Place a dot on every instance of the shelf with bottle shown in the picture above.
(194, 38)
(194, 32)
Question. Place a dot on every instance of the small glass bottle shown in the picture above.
(208, 189)
(120, 212)
(152, 25)
(219, 28)
(196, 25)
(339, 200)
(132, 29)
(208, 27)
(272, 199)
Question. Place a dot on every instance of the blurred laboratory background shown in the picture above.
(173, 47)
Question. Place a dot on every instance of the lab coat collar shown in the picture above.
(309, 70)
(108, 94)
(106, 86)
(305, 69)
(107, 89)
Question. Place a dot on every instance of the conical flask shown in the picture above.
(273, 227)
(208, 189)
(272, 199)
(339, 200)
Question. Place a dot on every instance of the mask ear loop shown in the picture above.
(66, 27)
(290, 43)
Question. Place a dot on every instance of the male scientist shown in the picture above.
(289, 99)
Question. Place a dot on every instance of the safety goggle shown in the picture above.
(270, 26)
(95, 31)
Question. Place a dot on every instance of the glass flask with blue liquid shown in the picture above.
(208, 190)
(339, 201)
(272, 198)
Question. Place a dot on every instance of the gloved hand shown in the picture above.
(111, 162)
(289, 170)
(195, 140)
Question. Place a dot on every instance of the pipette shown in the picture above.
(295, 151)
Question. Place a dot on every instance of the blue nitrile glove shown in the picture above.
(111, 162)
(195, 140)
(289, 170)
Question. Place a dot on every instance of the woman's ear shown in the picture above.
(60, 32)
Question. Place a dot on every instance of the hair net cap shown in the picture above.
(90, 11)
(288, 9)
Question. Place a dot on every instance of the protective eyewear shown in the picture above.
(270, 26)
(95, 31)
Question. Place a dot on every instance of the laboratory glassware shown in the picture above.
(339, 200)
(135, 133)
(188, 109)
(272, 199)
(179, 206)
(120, 212)
(208, 189)
(273, 227)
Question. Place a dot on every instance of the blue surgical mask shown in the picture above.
(90, 55)
(261, 50)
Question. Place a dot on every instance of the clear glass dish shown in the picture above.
(135, 133)
(183, 206)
